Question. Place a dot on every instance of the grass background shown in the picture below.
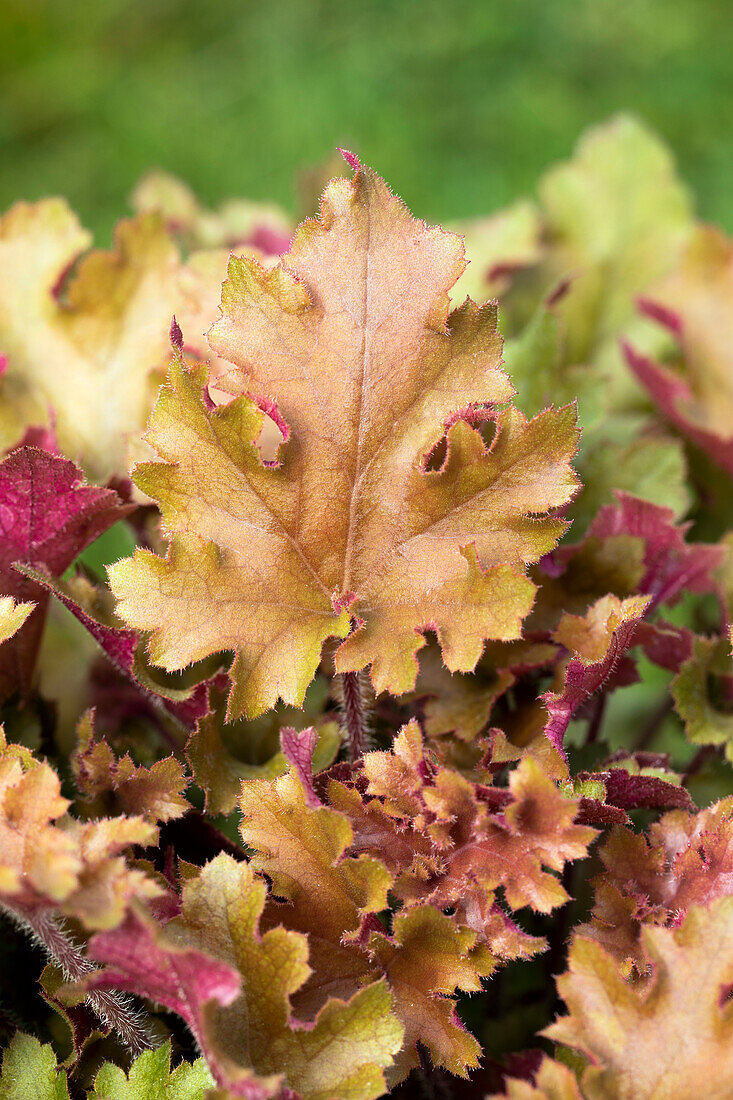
(459, 104)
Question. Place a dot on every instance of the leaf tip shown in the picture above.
(176, 336)
(351, 159)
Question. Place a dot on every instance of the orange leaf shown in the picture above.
(685, 860)
(670, 1038)
(49, 860)
(333, 894)
(155, 792)
(349, 347)
(454, 843)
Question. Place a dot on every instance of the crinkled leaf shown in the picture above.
(302, 848)
(672, 565)
(684, 860)
(629, 789)
(596, 642)
(49, 860)
(425, 960)
(454, 843)
(350, 342)
(349, 1043)
(150, 1078)
(665, 644)
(334, 897)
(101, 777)
(669, 1038)
(454, 703)
(29, 1071)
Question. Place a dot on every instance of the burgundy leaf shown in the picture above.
(629, 791)
(594, 812)
(671, 565)
(665, 644)
(142, 961)
(605, 633)
(120, 645)
(47, 517)
(674, 397)
(299, 746)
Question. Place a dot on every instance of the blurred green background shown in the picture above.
(459, 104)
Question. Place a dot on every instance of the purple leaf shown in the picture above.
(121, 646)
(671, 565)
(299, 746)
(142, 961)
(47, 517)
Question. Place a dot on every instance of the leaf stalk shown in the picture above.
(115, 1010)
(355, 711)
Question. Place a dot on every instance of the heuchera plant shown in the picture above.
(375, 738)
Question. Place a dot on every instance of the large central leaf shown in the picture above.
(348, 345)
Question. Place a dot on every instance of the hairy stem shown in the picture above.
(114, 1010)
(355, 713)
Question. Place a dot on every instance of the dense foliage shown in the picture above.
(376, 736)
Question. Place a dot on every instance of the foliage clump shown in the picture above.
(373, 737)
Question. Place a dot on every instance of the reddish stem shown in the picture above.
(113, 1009)
(355, 713)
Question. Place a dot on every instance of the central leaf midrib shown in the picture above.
(365, 349)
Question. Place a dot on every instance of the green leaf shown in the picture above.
(615, 455)
(30, 1072)
(617, 217)
(150, 1078)
(694, 688)
(535, 362)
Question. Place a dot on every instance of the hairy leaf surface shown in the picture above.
(665, 1039)
(150, 1078)
(349, 345)
(29, 1071)
(49, 860)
